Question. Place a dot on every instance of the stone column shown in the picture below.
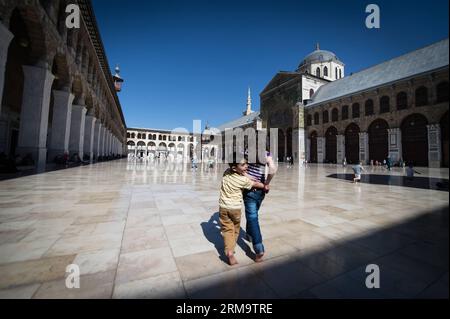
(340, 139)
(5, 40)
(395, 144)
(320, 149)
(109, 143)
(34, 115)
(364, 147)
(105, 141)
(308, 150)
(95, 139)
(77, 130)
(89, 136)
(299, 145)
(102, 143)
(434, 145)
(111, 150)
(98, 137)
(62, 116)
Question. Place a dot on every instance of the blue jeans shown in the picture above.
(252, 202)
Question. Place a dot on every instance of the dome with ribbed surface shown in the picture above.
(319, 56)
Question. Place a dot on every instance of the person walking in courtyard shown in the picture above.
(388, 163)
(357, 170)
(253, 199)
(230, 203)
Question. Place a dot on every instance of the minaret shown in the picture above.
(117, 80)
(317, 46)
(249, 104)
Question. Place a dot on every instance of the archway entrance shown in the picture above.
(415, 139)
(331, 145)
(281, 146)
(352, 143)
(18, 55)
(378, 140)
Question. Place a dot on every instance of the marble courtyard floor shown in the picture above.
(151, 231)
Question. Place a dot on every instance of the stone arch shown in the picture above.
(180, 148)
(421, 96)
(172, 147)
(36, 38)
(385, 104)
(378, 140)
(402, 100)
(344, 112)
(331, 145)
(415, 139)
(335, 115)
(442, 92)
(368, 107)
(352, 143)
(61, 71)
(309, 120)
(316, 118)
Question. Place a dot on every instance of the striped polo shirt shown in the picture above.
(257, 171)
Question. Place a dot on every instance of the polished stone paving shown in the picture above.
(151, 231)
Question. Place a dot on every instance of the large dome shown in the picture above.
(319, 56)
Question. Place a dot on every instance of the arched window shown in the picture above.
(402, 101)
(325, 71)
(316, 118)
(421, 96)
(442, 92)
(325, 117)
(336, 73)
(368, 107)
(128, 135)
(355, 110)
(384, 104)
(139, 136)
(345, 112)
(318, 72)
(133, 135)
(309, 120)
(311, 93)
(340, 73)
(335, 115)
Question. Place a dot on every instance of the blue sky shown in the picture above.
(186, 60)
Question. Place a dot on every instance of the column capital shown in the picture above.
(433, 127)
(394, 130)
(79, 108)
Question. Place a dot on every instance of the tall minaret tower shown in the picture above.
(249, 104)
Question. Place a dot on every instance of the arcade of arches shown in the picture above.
(161, 144)
(407, 122)
(57, 93)
(409, 143)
